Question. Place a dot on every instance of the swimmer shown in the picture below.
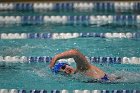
(82, 66)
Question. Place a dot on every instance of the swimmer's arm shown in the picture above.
(80, 59)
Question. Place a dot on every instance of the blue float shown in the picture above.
(55, 91)
(22, 91)
(32, 59)
(40, 59)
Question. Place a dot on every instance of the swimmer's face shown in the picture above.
(67, 69)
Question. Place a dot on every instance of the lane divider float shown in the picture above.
(71, 6)
(66, 91)
(46, 59)
(73, 20)
(67, 35)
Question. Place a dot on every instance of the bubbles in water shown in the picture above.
(125, 76)
(132, 77)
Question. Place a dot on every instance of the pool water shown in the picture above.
(38, 75)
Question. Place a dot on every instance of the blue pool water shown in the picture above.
(38, 75)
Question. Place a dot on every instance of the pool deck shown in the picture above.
(59, 0)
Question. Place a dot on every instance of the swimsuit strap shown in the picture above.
(105, 78)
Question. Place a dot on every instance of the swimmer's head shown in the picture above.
(63, 67)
